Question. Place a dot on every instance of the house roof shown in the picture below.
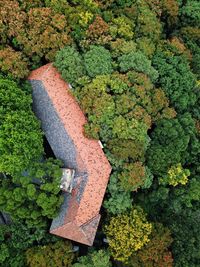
(62, 122)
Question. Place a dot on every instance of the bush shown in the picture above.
(70, 64)
(97, 61)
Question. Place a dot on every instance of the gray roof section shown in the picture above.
(60, 142)
(55, 132)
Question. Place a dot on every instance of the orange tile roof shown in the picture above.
(81, 216)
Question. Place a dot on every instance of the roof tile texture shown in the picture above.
(90, 158)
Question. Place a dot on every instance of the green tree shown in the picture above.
(20, 134)
(171, 142)
(176, 79)
(70, 64)
(137, 61)
(33, 196)
(118, 201)
(121, 27)
(16, 238)
(97, 61)
(190, 13)
(98, 258)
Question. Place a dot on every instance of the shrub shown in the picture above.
(97, 61)
(127, 233)
(70, 64)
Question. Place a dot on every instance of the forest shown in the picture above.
(134, 68)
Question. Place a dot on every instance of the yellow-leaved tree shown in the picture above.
(126, 233)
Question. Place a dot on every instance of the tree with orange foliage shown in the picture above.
(155, 253)
(13, 63)
(134, 176)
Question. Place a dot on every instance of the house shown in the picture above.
(62, 122)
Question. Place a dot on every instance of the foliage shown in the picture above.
(148, 25)
(190, 13)
(12, 20)
(97, 61)
(156, 252)
(118, 201)
(97, 33)
(33, 196)
(21, 149)
(176, 79)
(20, 135)
(146, 46)
(134, 176)
(121, 46)
(14, 240)
(98, 258)
(57, 254)
(127, 233)
(186, 233)
(134, 67)
(13, 63)
(70, 64)
(176, 175)
(37, 32)
(122, 27)
(44, 34)
(170, 141)
(138, 62)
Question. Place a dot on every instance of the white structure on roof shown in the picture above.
(67, 180)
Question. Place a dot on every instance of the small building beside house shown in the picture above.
(62, 122)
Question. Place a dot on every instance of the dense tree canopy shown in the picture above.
(134, 67)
